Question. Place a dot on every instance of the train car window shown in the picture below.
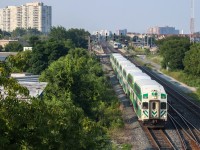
(121, 68)
(130, 81)
(137, 89)
(153, 105)
(124, 73)
(163, 105)
(145, 105)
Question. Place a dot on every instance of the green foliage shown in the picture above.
(40, 125)
(19, 62)
(81, 75)
(13, 47)
(33, 40)
(44, 53)
(5, 70)
(173, 51)
(4, 34)
(192, 60)
(78, 106)
(190, 80)
(20, 32)
(48, 123)
(126, 147)
(1, 48)
(58, 33)
(147, 51)
(79, 37)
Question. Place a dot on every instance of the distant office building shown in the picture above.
(162, 30)
(123, 32)
(31, 15)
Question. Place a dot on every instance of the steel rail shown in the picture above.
(183, 143)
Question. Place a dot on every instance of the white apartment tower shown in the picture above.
(31, 15)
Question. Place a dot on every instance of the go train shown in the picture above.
(147, 96)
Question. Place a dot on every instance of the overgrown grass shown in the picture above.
(155, 58)
(190, 80)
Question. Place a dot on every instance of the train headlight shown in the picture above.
(164, 116)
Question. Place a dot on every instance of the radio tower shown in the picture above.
(192, 22)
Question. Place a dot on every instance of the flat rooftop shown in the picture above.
(31, 82)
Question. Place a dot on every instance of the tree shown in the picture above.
(33, 40)
(19, 62)
(18, 32)
(79, 37)
(75, 112)
(33, 32)
(81, 75)
(58, 33)
(13, 47)
(44, 53)
(192, 61)
(173, 51)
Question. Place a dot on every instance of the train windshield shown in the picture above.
(163, 105)
(145, 105)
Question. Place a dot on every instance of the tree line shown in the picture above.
(179, 54)
(78, 107)
(45, 51)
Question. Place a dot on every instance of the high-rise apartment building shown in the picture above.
(31, 15)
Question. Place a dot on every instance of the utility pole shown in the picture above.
(89, 44)
(192, 23)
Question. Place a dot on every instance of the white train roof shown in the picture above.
(131, 69)
(120, 58)
(148, 85)
(116, 54)
(125, 63)
(136, 78)
(139, 76)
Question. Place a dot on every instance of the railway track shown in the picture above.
(158, 139)
(188, 134)
(169, 87)
(184, 100)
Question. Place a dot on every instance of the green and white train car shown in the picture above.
(147, 96)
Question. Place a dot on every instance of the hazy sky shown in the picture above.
(133, 15)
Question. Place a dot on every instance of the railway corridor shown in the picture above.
(134, 133)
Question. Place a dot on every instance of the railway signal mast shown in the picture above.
(192, 23)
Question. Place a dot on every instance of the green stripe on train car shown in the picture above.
(162, 113)
(136, 108)
(145, 113)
